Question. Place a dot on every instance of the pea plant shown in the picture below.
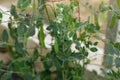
(112, 60)
(61, 63)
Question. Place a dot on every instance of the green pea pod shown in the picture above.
(1, 15)
(41, 37)
(56, 48)
(118, 3)
(96, 20)
(113, 20)
(5, 36)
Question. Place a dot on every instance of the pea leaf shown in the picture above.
(22, 4)
(108, 60)
(77, 55)
(13, 11)
(41, 37)
(57, 63)
(35, 55)
(1, 64)
(30, 31)
(93, 49)
(21, 30)
(117, 62)
(5, 36)
(6, 76)
(19, 48)
(1, 16)
(95, 44)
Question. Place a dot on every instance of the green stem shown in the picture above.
(83, 68)
(63, 71)
(34, 7)
(79, 10)
(54, 9)
(47, 13)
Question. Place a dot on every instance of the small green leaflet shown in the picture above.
(20, 49)
(41, 37)
(35, 55)
(103, 15)
(6, 76)
(95, 44)
(117, 62)
(22, 4)
(21, 30)
(1, 16)
(118, 3)
(30, 31)
(109, 60)
(93, 49)
(1, 64)
(56, 48)
(5, 36)
(13, 11)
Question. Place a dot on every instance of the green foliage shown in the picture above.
(96, 20)
(1, 16)
(113, 20)
(1, 64)
(13, 11)
(5, 36)
(61, 62)
(6, 76)
(117, 62)
(112, 75)
(93, 49)
(30, 31)
(22, 4)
